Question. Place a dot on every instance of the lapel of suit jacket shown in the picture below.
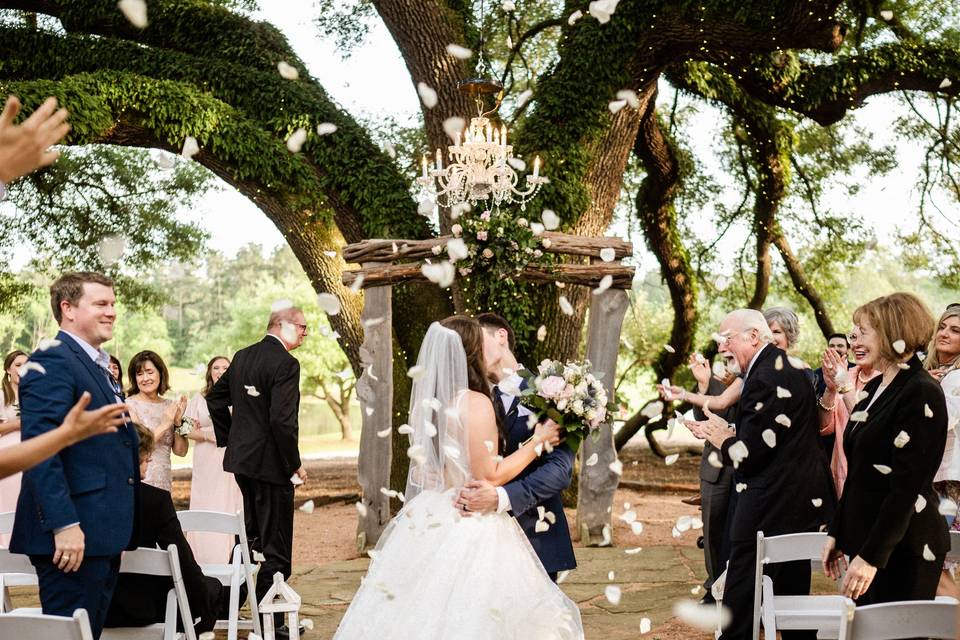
(769, 351)
(515, 403)
(888, 395)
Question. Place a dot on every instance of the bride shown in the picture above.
(435, 574)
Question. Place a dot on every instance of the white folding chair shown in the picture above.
(15, 571)
(37, 626)
(899, 620)
(157, 562)
(954, 552)
(6, 522)
(240, 569)
(820, 612)
(716, 590)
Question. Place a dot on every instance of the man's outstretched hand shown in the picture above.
(25, 147)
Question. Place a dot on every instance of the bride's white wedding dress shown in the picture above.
(435, 574)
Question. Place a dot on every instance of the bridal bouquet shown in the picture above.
(569, 395)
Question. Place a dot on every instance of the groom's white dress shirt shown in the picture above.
(511, 382)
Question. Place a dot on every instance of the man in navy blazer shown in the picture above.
(541, 483)
(76, 509)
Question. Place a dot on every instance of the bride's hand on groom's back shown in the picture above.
(548, 432)
(477, 496)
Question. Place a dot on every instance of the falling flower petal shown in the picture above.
(565, 306)
(550, 219)
(616, 105)
(296, 140)
(703, 617)
(307, 624)
(608, 254)
(738, 451)
(887, 15)
(508, 6)
(630, 96)
(384, 433)
(901, 440)
(899, 346)
(517, 163)
(817, 502)
(524, 97)
(782, 419)
(329, 303)
(669, 349)
(111, 249)
(927, 411)
(280, 305)
(135, 11)
(612, 593)
(287, 71)
(769, 437)
(605, 283)
(541, 526)
(369, 411)
(945, 84)
(190, 147)
(947, 507)
(459, 52)
(288, 331)
(859, 416)
(783, 393)
(670, 459)
(442, 273)
(29, 366)
(617, 467)
(634, 551)
(307, 507)
(861, 396)
(714, 460)
(251, 390)
(920, 504)
(542, 333)
(741, 487)
(453, 127)
(326, 128)
(47, 343)
(576, 15)
(882, 468)
(602, 10)
(416, 372)
(389, 149)
(928, 554)
(644, 625)
(457, 249)
(592, 460)
(427, 95)
(405, 429)
(417, 454)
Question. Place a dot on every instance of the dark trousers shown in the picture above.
(268, 515)
(789, 579)
(715, 502)
(90, 587)
(906, 577)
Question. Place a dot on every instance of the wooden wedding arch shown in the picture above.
(385, 263)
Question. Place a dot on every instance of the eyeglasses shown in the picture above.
(302, 327)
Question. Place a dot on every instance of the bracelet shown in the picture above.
(844, 390)
(825, 407)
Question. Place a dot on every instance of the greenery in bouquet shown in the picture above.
(570, 395)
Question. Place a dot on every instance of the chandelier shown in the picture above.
(481, 164)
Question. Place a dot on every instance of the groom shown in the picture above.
(540, 484)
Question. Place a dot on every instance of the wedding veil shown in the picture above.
(439, 457)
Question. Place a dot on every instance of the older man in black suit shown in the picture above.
(783, 478)
(261, 435)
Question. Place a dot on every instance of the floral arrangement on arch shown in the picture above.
(499, 243)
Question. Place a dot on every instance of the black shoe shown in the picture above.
(708, 599)
(283, 633)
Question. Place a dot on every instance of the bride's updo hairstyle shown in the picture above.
(471, 335)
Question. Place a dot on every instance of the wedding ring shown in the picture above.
(66, 557)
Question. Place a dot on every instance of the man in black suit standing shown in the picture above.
(784, 481)
(262, 386)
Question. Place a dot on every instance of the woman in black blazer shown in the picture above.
(887, 520)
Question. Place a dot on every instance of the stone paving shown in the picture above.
(650, 581)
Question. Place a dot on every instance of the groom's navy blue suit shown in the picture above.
(93, 483)
(540, 484)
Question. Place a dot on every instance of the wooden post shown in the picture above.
(375, 392)
(598, 482)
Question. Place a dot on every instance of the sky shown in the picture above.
(373, 83)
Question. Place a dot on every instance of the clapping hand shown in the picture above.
(714, 429)
(700, 367)
(24, 148)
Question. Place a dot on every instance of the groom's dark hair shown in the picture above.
(490, 320)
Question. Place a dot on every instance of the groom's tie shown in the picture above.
(498, 403)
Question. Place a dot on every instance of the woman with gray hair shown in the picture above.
(785, 326)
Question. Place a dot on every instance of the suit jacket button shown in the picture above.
(129, 480)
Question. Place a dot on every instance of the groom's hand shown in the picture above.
(478, 496)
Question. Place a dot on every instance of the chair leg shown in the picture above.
(233, 620)
(252, 600)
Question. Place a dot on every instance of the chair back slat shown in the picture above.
(15, 563)
(151, 562)
(6, 521)
(211, 521)
(36, 626)
(901, 620)
(793, 546)
(954, 552)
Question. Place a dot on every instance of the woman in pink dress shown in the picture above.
(212, 488)
(149, 380)
(10, 430)
(839, 398)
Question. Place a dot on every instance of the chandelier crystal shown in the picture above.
(481, 166)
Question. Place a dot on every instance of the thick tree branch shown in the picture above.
(803, 285)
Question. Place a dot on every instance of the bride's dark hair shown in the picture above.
(471, 335)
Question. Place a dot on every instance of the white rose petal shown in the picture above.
(887, 15)
(384, 433)
(442, 274)
(576, 15)
(782, 419)
(616, 105)
(644, 625)
(652, 409)
(427, 95)
(945, 84)
(927, 411)
(592, 460)
(670, 459)
(416, 372)
(361, 509)
(882, 468)
(135, 11)
(565, 306)
(741, 487)
(47, 343)
(459, 52)
(714, 460)
(861, 396)
(280, 305)
(111, 249)
(287, 71)
(817, 502)
(288, 332)
(417, 454)
(524, 97)
(542, 333)
(517, 163)
(783, 393)
(617, 467)
(778, 363)
(920, 504)
(605, 283)
(508, 6)
(899, 346)
(541, 526)
(454, 126)
(608, 254)
(636, 527)
(190, 147)
(703, 617)
(669, 349)
(390, 150)
(928, 554)
(251, 390)
(947, 507)
(612, 593)
(550, 219)
(296, 140)
(457, 249)
(630, 96)
(307, 624)
(326, 128)
(770, 437)
(29, 366)
(328, 303)
(901, 440)
(307, 507)
(859, 416)
(405, 429)
(633, 551)
(738, 451)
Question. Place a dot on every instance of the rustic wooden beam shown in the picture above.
(598, 482)
(588, 275)
(379, 250)
(375, 392)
